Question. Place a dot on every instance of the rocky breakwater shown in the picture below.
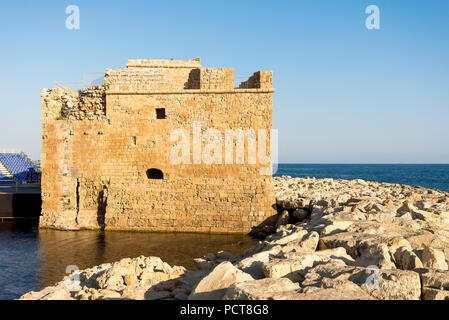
(331, 239)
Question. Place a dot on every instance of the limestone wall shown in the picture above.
(95, 168)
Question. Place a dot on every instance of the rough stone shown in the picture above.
(406, 259)
(375, 254)
(138, 278)
(434, 258)
(336, 227)
(436, 279)
(253, 264)
(262, 289)
(294, 265)
(215, 284)
(435, 294)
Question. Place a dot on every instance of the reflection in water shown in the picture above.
(31, 259)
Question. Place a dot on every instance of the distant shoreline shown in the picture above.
(369, 164)
(426, 175)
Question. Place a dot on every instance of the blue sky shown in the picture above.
(344, 94)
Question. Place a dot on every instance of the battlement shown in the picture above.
(161, 63)
(146, 76)
(259, 80)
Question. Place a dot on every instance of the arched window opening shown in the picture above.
(155, 174)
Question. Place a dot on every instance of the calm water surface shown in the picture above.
(32, 259)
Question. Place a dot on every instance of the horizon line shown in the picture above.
(367, 163)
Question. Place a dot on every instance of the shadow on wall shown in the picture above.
(193, 82)
(101, 208)
(102, 199)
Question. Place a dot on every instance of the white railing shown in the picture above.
(10, 151)
(30, 162)
(89, 79)
(37, 164)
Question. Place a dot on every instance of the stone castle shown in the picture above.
(108, 152)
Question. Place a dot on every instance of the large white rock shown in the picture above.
(436, 279)
(262, 289)
(215, 284)
(434, 259)
(294, 265)
(296, 238)
(395, 285)
(380, 284)
(397, 243)
(284, 237)
(406, 207)
(253, 264)
(434, 294)
(423, 215)
(308, 243)
(375, 254)
(345, 291)
(406, 259)
(336, 227)
(49, 293)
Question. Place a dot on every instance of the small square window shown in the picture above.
(160, 113)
